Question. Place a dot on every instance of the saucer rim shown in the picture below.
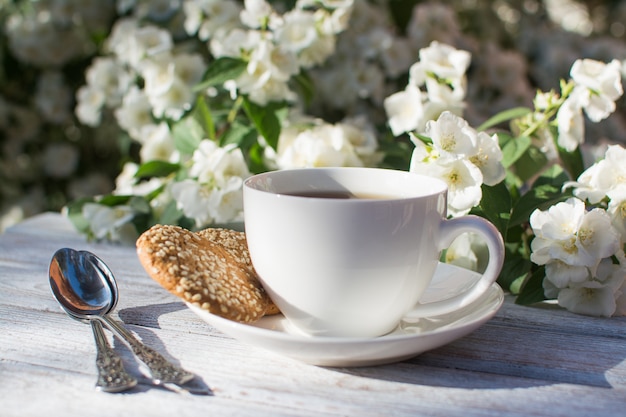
(266, 333)
(494, 291)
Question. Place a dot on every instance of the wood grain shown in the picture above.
(525, 361)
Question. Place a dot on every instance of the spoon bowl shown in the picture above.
(84, 298)
(80, 285)
(86, 288)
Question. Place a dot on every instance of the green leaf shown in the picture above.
(256, 161)
(513, 149)
(74, 212)
(156, 169)
(555, 175)
(111, 200)
(187, 134)
(572, 161)
(171, 214)
(496, 206)
(425, 139)
(220, 71)
(265, 120)
(545, 192)
(531, 163)
(140, 205)
(305, 85)
(241, 135)
(532, 290)
(203, 115)
(514, 268)
(504, 116)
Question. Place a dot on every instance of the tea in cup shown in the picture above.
(349, 252)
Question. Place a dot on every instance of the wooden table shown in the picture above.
(525, 361)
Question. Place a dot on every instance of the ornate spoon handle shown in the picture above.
(161, 369)
(112, 377)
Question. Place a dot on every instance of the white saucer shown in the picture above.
(276, 334)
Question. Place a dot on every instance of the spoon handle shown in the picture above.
(161, 369)
(112, 377)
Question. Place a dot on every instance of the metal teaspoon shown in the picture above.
(81, 302)
(95, 285)
(163, 372)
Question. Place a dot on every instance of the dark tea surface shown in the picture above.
(339, 195)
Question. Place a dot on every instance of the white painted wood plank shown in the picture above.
(526, 361)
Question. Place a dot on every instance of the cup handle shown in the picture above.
(450, 229)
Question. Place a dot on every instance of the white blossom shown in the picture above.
(600, 85)
(606, 175)
(404, 110)
(445, 96)
(107, 75)
(349, 143)
(298, 31)
(578, 246)
(436, 85)
(234, 42)
(460, 156)
(280, 63)
(109, 222)
(562, 274)
(567, 232)
(461, 176)
(570, 122)
(119, 42)
(158, 144)
(461, 253)
(362, 137)
(215, 165)
(135, 113)
(127, 184)
(206, 204)
(227, 205)
(34, 38)
(169, 83)
(256, 13)
(194, 199)
(444, 61)
(592, 298)
(189, 68)
(215, 191)
(488, 158)
(596, 87)
(452, 134)
(209, 18)
(318, 52)
(89, 105)
(617, 209)
(267, 73)
(147, 42)
(599, 295)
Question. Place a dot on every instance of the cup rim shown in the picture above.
(258, 182)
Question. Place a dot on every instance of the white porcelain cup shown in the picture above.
(355, 267)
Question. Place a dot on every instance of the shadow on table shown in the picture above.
(479, 362)
(496, 356)
(148, 315)
(147, 318)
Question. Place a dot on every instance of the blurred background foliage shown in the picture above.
(47, 158)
